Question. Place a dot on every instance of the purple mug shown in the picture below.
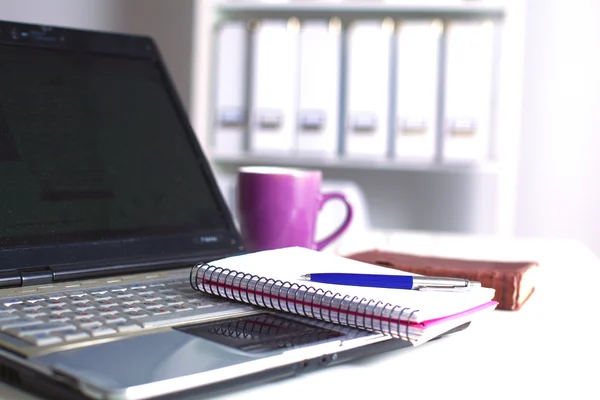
(278, 207)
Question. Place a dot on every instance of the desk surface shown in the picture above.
(548, 349)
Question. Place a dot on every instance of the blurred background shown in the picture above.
(502, 96)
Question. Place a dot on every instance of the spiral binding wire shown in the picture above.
(314, 302)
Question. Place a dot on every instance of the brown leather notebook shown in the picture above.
(514, 281)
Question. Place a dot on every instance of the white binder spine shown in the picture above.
(417, 89)
(229, 117)
(319, 87)
(468, 92)
(274, 86)
(368, 74)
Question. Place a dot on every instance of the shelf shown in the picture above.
(353, 163)
(349, 9)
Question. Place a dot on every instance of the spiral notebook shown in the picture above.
(272, 279)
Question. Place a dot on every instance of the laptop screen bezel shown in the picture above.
(137, 253)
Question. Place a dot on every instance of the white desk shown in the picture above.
(545, 350)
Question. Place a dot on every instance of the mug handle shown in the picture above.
(349, 212)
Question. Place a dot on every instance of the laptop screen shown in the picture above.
(92, 148)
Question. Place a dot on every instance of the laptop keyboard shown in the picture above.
(70, 316)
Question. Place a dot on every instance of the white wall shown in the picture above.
(170, 23)
(558, 193)
(558, 190)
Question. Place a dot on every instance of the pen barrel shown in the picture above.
(367, 280)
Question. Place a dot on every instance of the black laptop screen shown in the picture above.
(92, 148)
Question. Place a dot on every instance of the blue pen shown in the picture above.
(407, 282)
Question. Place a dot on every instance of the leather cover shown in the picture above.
(514, 281)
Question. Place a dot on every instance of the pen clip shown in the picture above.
(444, 289)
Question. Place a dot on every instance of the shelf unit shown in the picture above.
(467, 197)
(362, 9)
(347, 163)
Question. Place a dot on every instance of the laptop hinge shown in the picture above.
(38, 276)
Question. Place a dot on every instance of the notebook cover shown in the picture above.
(514, 281)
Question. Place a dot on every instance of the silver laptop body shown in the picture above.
(107, 202)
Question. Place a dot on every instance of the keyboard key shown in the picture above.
(156, 321)
(8, 317)
(19, 323)
(89, 324)
(151, 297)
(38, 329)
(42, 339)
(107, 303)
(151, 305)
(78, 295)
(34, 299)
(61, 311)
(44, 310)
(180, 307)
(145, 292)
(30, 308)
(85, 308)
(11, 302)
(83, 315)
(56, 304)
(58, 318)
(114, 319)
(126, 326)
(100, 297)
(34, 314)
(71, 336)
(105, 312)
(132, 308)
(137, 314)
(101, 331)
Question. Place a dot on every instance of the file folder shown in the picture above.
(368, 72)
(417, 80)
(230, 120)
(318, 111)
(274, 86)
(468, 97)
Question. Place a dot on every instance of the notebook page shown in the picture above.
(289, 264)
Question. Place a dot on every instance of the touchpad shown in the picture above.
(261, 333)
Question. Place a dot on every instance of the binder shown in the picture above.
(417, 80)
(368, 72)
(274, 86)
(318, 110)
(271, 279)
(468, 97)
(230, 120)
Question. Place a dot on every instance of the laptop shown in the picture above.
(107, 203)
